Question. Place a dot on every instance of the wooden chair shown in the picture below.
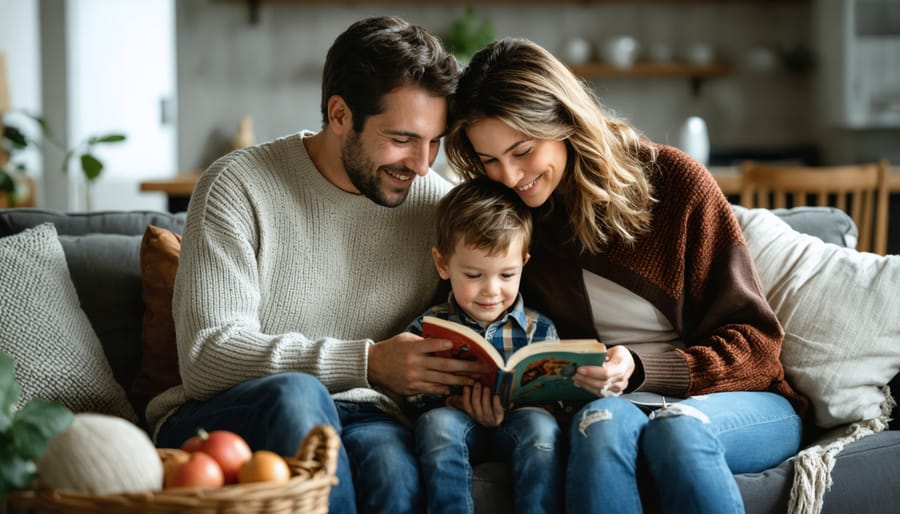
(859, 190)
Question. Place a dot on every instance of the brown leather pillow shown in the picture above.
(160, 250)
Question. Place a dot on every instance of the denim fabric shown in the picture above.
(380, 448)
(689, 450)
(449, 442)
(275, 413)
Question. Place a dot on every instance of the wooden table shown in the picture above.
(178, 189)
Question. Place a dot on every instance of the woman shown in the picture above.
(635, 245)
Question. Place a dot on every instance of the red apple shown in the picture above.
(230, 450)
(199, 470)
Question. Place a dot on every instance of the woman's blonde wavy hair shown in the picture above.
(605, 188)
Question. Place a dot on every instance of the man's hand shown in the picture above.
(404, 365)
(480, 404)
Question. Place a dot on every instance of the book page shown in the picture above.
(547, 376)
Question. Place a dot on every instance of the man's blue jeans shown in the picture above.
(275, 413)
(449, 443)
(690, 450)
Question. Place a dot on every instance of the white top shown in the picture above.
(621, 316)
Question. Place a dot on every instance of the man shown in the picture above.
(299, 254)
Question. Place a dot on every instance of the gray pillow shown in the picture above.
(105, 269)
(829, 224)
(42, 327)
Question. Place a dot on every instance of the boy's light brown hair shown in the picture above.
(482, 214)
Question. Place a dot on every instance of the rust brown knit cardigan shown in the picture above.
(694, 266)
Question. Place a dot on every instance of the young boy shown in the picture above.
(483, 234)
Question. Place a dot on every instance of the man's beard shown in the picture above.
(365, 176)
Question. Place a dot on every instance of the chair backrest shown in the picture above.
(860, 190)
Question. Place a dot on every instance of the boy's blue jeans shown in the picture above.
(691, 451)
(275, 413)
(449, 443)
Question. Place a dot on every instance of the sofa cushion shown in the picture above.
(104, 270)
(58, 356)
(839, 309)
(131, 223)
(829, 224)
(160, 250)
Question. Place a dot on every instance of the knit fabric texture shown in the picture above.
(282, 271)
(694, 267)
(44, 330)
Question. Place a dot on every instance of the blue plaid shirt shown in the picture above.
(515, 329)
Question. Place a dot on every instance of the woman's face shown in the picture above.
(533, 168)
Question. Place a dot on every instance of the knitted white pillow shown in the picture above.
(841, 314)
(42, 327)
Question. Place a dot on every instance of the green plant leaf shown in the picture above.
(9, 391)
(15, 137)
(15, 473)
(467, 35)
(6, 182)
(91, 166)
(107, 138)
(36, 423)
(24, 433)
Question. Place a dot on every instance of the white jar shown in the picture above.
(694, 139)
(620, 51)
(576, 50)
(699, 54)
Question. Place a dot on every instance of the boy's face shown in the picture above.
(484, 286)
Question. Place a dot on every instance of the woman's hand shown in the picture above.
(611, 379)
(480, 404)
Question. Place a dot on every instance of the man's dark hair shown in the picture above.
(376, 55)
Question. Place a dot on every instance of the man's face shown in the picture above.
(383, 160)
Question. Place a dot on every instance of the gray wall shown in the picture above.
(270, 70)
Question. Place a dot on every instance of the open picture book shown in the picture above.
(536, 373)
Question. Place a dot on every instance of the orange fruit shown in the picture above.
(264, 466)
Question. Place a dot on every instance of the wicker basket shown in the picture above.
(313, 470)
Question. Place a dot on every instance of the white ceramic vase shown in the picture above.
(694, 139)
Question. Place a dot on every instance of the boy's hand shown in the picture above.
(404, 365)
(480, 404)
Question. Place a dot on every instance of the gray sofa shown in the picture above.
(106, 273)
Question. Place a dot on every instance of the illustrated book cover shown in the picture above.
(536, 373)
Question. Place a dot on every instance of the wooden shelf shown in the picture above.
(651, 69)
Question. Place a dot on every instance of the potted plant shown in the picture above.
(468, 35)
(16, 140)
(24, 433)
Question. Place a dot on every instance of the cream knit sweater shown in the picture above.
(282, 271)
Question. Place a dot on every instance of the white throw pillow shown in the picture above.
(42, 327)
(841, 314)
